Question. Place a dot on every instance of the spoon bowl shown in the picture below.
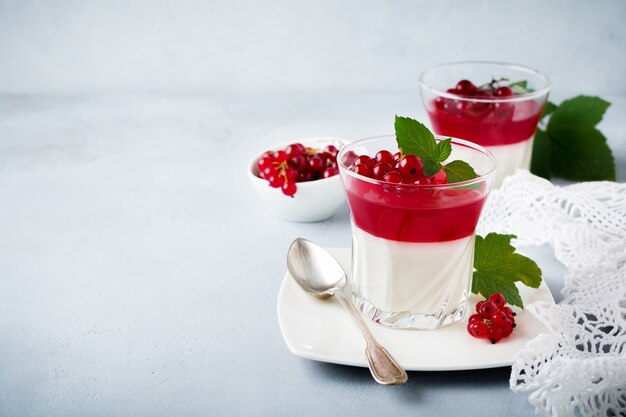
(315, 270)
(318, 273)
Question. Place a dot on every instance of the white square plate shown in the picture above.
(322, 330)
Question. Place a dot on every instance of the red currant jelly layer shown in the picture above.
(485, 123)
(408, 213)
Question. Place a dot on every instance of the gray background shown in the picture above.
(78, 46)
(139, 272)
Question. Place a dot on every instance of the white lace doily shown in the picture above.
(579, 367)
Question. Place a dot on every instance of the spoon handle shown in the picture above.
(383, 366)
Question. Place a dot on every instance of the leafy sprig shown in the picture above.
(570, 146)
(416, 139)
(497, 267)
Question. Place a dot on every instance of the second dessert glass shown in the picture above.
(503, 125)
(413, 245)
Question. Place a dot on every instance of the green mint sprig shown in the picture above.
(415, 139)
(520, 87)
(497, 267)
(570, 146)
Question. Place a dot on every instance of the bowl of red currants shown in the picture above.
(299, 180)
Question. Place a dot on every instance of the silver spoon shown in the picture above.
(319, 274)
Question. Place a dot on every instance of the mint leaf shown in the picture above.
(522, 84)
(414, 138)
(431, 167)
(442, 150)
(457, 171)
(498, 267)
(579, 150)
(542, 153)
(548, 109)
(520, 87)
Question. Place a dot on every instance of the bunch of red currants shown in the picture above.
(468, 90)
(394, 168)
(493, 319)
(297, 163)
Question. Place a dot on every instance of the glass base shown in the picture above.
(407, 320)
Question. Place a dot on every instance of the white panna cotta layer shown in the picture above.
(510, 158)
(419, 278)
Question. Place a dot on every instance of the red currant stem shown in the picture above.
(493, 84)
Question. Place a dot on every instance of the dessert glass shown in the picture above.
(503, 125)
(413, 245)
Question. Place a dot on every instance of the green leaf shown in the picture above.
(414, 138)
(522, 84)
(520, 87)
(578, 112)
(579, 151)
(431, 167)
(442, 150)
(548, 109)
(542, 154)
(498, 267)
(457, 171)
(581, 154)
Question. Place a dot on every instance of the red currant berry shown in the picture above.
(268, 171)
(475, 317)
(276, 180)
(304, 176)
(509, 313)
(507, 328)
(411, 166)
(298, 162)
(440, 102)
(316, 164)
(280, 156)
(325, 157)
(329, 172)
(466, 88)
(498, 318)
(289, 188)
(380, 169)
(332, 150)
(384, 156)
(291, 174)
(364, 160)
(503, 92)
(397, 156)
(478, 304)
(264, 161)
(495, 334)
(393, 176)
(477, 329)
(295, 149)
(362, 169)
(486, 309)
(498, 299)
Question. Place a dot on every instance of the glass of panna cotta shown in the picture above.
(413, 243)
(495, 105)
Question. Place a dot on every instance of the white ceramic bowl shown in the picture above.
(314, 201)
